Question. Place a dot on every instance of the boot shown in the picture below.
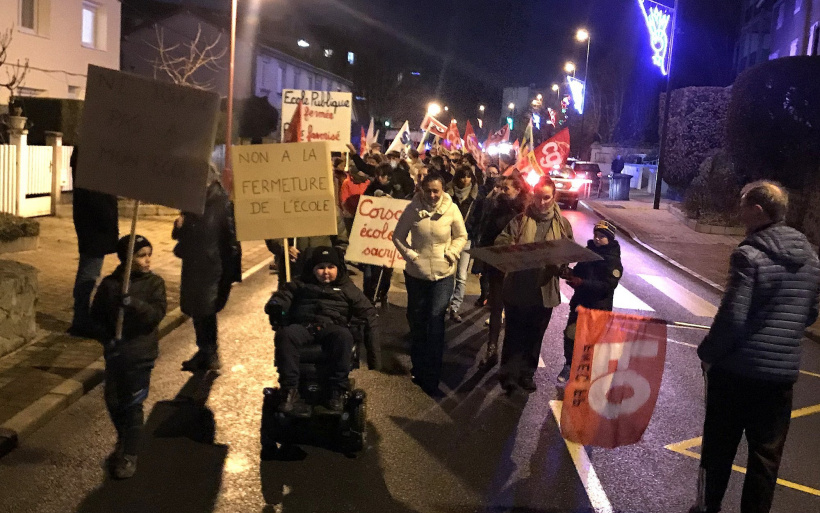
(490, 357)
(336, 400)
(125, 466)
(195, 362)
(293, 405)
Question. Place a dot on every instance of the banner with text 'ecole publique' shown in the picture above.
(371, 238)
(283, 190)
(326, 116)
(146, 140)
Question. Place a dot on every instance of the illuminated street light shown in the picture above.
(481, 108)
(569, 67)
(446, 108)
(511, 106)
(303, 44)
(433, 109)
(555, 87)
(539, 97)
(582, 35)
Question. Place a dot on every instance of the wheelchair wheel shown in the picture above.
(354, 434)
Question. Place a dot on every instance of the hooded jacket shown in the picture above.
(771, 297)
(437, 236)
(306, 301)
(140, 340)
(599, 278)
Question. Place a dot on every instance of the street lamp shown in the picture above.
(539, 97)
(481, 108)
(433, 109)
(446, 108)
(511, 106)
(569, 67)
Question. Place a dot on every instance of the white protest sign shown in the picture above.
(283, 190)
(146, 140)
(371, 238)
(326, 116)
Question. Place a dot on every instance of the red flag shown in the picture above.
(553, 152)
(499, 136)
(615, 379)
(471, 145)
(363, 144)
(293, 133)
(436, 127)
(452, 140)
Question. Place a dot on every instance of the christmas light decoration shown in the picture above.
(577, 88)
(659, 23)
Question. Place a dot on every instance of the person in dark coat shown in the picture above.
(376, 279)
(617, 165)
(464, 192)
(211, 264)
(594, 284)
(96, 222)
(319, 308)
(751, 355)
(129, 360)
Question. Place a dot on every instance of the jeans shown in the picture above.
(373, 276)
(126, 388)
(461, 278)
(88, 271)
(761, 409)
(205, 330)
(427, 303)
(337, 346)
(525, 330)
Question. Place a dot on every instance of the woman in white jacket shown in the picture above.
(436, 237)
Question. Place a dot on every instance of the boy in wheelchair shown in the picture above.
(319, 309)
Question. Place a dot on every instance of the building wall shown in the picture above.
(791, 31)
(58, 60)
(754, 43)
(520, 96)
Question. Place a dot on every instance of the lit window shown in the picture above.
(780, 15)
(793, 48)
(774, 55)
(89, 25)
(328, 52)
(28, 14)
(798, 4)
(351, 58)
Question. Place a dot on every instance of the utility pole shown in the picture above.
(667, 103)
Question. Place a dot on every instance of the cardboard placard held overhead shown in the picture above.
(326, 116)
(283, 190)
(371, 238)
(146, 140)
(533, 256)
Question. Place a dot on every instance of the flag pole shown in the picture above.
(286, 245)
(129, 262)
(423, 137)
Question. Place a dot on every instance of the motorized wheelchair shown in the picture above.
(345, 431)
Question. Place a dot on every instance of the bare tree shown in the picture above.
(181, 61)
(15, 73)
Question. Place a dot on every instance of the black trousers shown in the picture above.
(569, 336)
(126, 388)
(525, 328)
(374, 276)
(337, 345)
(761, 409)
(205, 329)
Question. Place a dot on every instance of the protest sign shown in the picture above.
(146, 140)
(615, 378)
(283, 190)
(326, 116)
(371, 238)
(520, 257)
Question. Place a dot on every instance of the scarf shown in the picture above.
(428, 210)
(554, 229)
(461, 194)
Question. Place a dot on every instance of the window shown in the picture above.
(798, 4)
(780, 15)
(281, 83)
(351, 58)
(793, 48)
(28, 15)
(89, 25)
(328, 52)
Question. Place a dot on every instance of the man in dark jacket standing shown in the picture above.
(752, 352)
(96, 222)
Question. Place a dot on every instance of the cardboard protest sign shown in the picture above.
(532, 256)
(146, 140)
(371, 238)
(326, 116)
(616, 374)
(283, 190)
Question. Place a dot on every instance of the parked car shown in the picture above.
(568, 186)
(588, 170)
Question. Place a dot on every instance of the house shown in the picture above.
(754, 44)
(795, 28)
(60, 38)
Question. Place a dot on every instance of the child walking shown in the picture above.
(129, 361)
(594, 284)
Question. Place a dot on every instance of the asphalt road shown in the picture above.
(476, 450)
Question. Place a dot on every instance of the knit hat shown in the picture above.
(139, 243)
(605, 227)
(325, 255)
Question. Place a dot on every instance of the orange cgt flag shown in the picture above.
(615, 379)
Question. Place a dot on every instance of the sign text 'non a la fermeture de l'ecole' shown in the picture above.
(146, 140)
(326, 116)
(283, 190)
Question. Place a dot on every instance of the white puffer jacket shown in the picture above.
(436, 238)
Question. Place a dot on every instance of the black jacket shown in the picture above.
(387, 189)
(600, 278)
(140, 341)
(771, 297)
(363, 166)
(496, 215)
(306, 301)
(211, 256)
(403, 185)
(96, 219)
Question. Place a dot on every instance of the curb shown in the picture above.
(629, 233)
(38, 413)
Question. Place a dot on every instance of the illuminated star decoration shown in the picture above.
(658, 19)
(577, 88)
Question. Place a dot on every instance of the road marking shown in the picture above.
(264, 263)
(692, 302)
(541, 362)
(595, 492)
(623, 300)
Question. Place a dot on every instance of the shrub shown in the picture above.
(13, 227)
(713, 195)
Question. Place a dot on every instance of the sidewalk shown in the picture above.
(704, 256)
(44, 377)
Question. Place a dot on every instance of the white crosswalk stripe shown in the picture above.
(685, 298)
(623, 300)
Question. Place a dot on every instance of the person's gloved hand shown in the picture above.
(276, 316)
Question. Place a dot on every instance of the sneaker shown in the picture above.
(563, 376)
(293, 405)
(336, 401)
(480, 302)
(455, 317)
(125, 466)
(527, 383)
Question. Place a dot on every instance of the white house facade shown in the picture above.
(60, 38)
